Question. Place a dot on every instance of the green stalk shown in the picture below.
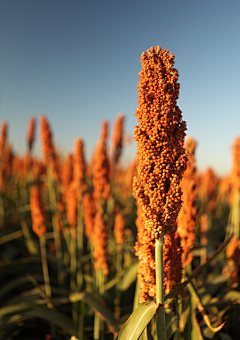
(10, 237)
(79, 268)
(56, 234)
(97, 320)
(160, 313)
(45, 269)
(73, 266)
(136, 296)
(119, 283)
(73, 262)
(79, 246)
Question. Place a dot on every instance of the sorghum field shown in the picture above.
(106, 250)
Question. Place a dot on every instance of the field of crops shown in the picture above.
(84, 246)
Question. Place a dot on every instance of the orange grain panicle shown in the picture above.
(59, 214)
(37, 211)
(66, 175)
(104, 131)
(89, 212)
(3, 137)
(225, 189)
(79, 168)
(160, 140)
(172, 260)
(31, 132)
(101, 168)
(50, 157)
(186, 220)
(119, 227)
(99, 241)
(117, 138)
(129, 175)
(204, 229)
(46, 138)
(71, 208)
(6, 166)
(162, 159)
(208, 188)
(235, 174)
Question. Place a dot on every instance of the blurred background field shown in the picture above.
(67, 257)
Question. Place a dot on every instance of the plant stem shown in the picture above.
(10, 237)
(56, 234)
(45, 268)
(97, 320)
(73, 262)
(119, 284)
(73, 266)
(79, 246)
(160, 313)
(79, 255)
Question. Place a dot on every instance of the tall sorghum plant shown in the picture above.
(162, 161)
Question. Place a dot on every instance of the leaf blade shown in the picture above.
(137, 321)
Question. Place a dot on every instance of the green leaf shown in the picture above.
(15, 308)
(138, 321)
(130, 276)
(53, 317)
(196, 332)
(187, 320)
(10, 285)
(224, 336)
(186, 312)
(17, 262)
(30, 243)
(99, 308)
(232, 294)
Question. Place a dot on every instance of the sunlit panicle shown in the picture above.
(31, 132)
(204, 229)
(208, 188)
(130, 173)
(119, 227)
(66, 175)
(236, 162)
(162, 157)
(6, 165)
(104, 131)
(100, 242)
(50, 156)
(79, 168)
(46, 138)
(37, 211)
(89, 212)
(172, 260)
(3, 137)
(101, 173)
(117, 138)
(71, 207)
(187, 216)
(235, 174)
(225, 189)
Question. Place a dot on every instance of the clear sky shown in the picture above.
(77, 61)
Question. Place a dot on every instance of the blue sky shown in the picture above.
(77, 61)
